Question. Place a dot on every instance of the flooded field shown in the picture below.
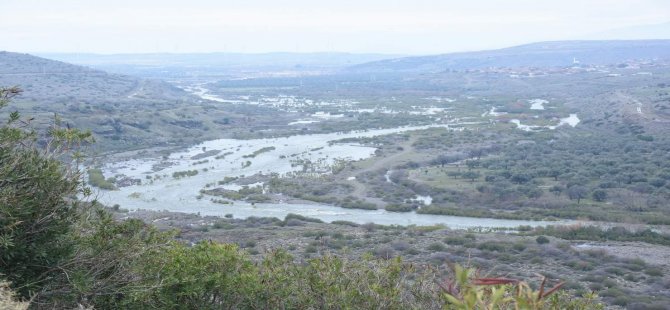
(174, 182)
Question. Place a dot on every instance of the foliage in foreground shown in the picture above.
(469, 291)
(209, 276)
(61, 252)
(37, 198)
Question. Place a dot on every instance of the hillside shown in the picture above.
(51, 81)
(123, 112)
(542, 54)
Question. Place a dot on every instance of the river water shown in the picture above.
(182, 194)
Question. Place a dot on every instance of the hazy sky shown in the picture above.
(385, 26)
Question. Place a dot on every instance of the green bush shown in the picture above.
(209, 276)
(455, 240)
(97, 179)
(542, 240)
(398, 208)
(492, 246)
(436, 247)
(654, 271)
(185, 173)
(299, 217)
(36, 210)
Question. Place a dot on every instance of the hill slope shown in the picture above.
(543, 54)
(49, 80)
(124, 112)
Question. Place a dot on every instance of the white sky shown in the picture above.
(381, 26)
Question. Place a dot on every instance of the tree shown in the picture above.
(521, 178)
(542, 240)
(577, 192)
(446, 159)
(557, 190)
(103, 271)
(36, 199)
(599, 195)
(472, 164)
(56, 249)
(534, 192)
(472, 175)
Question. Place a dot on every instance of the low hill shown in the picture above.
(123, 112)
(543, 54)
(50, 80)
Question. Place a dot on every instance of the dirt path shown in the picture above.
(627, 100)
(138, 88)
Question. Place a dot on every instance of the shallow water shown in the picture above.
(537, 104)
(182, 195)
(571, 121)
(426, 200)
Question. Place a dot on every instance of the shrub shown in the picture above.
(299, 217)
(97, 179)
(468, 291)
(36, 212)
(384, 252)
(400, 245)
(454, 240)
(621, 301)
(599, 195)
(345, 223)
(542, 240)
(370, 227)
(436, 247)
(654, 271)
(491, 246)
(222, 225)
(185, 173)
(398, 208)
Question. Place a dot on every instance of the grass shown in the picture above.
(260, 151)
(97, 179)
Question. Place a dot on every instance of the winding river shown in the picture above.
(182, 194)
(161, 191)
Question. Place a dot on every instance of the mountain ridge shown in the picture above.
(539, 54)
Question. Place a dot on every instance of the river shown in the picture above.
(161, 191)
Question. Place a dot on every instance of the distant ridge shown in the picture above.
(541, 54)
(223, 60)
(20, 63)
(49, 80)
